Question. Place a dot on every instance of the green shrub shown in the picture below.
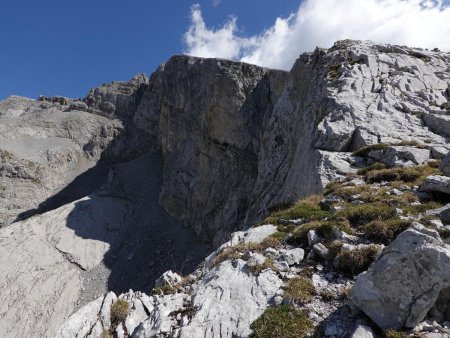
(119, 311)
(282, 322)
(353, 262)
(299, 289)
(385, 231)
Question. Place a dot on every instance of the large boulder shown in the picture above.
(229, 298)
(404, 283)
(445, 165)
(401, 156)
(436, 183)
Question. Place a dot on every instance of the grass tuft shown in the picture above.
(353, 262)
(282, 321)
(300, 289)
(119, 311)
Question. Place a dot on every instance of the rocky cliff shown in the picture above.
(102, 192)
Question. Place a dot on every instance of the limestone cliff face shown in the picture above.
(238, 139)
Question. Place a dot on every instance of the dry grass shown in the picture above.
(119, 311)
(385, 231)
(299, 289)
(415, 175)
(257, 269)
(395, 334)
(361, 214)
(237, 251)
(353, 262)
(307, 209)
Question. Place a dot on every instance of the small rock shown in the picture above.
(363, 331)
(322, 251)
(78, 105)
(278, 300)
(313, 237)
(168, 278)
(282, 266)
(436, 183)
(271, 253)
(293, 256)
(256, 259)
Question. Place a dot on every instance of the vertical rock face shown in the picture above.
(238, 139)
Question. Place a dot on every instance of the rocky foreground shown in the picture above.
(96, 194)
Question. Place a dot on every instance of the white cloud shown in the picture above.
(418, 23)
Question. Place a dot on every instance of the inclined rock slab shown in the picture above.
(401, 156)
(82, 321)
(436, 183)
(404, 283)
(43, 259)
(229, 298)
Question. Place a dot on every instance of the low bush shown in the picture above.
(353, 262)
(375, 166)
(299, 289)
(282, 321)
(385, 231)
(119, 311)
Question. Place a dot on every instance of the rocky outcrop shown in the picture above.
(405, 282)
(229, 142)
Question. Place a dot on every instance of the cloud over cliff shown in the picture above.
(416, 23)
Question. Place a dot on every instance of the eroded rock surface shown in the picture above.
(405, 282)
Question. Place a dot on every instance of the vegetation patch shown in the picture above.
(164, 290)
(119, 311)
(300, 289)
(257, 269)
(307, 209)
(364, 213)
(416, 174)
(237, 251)
(353, 262)
(323, 228)
(364, 152)
(395, 334)
(372, 167)
(282, 321)
(107, 333)
(385, 231)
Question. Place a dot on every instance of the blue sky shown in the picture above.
(64, 47)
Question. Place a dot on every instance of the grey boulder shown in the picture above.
(404, 283)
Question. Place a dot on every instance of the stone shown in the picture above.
(439, 152)
(313, 237)
(293, 256)
(229, 300)
(81, 322)
(78, 105)
(436, 183)
(363, 331)
(322, 251)
(281, 266)
(168, 278)
(401, 156)
(404, 283)
(271, 253)
(256, 259)
(445, 164)
(442, 212)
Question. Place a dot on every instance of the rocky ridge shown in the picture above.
(226, 143)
